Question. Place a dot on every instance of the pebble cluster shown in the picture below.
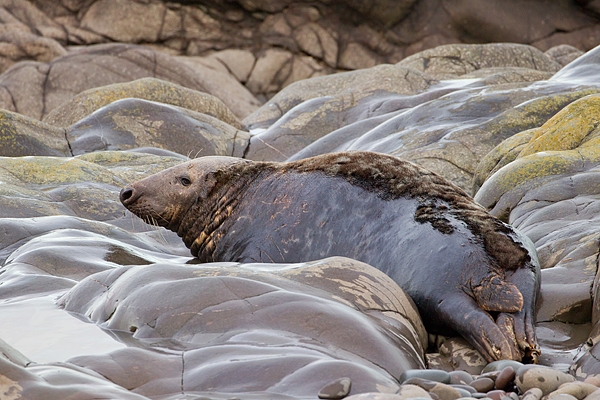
(499, 380)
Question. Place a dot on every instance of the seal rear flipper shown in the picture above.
(497, 295)
(520, 327)
(479, 328)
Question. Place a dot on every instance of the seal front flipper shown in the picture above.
(493, 293)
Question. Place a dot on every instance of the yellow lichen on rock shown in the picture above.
(567, 143)
(569, 128)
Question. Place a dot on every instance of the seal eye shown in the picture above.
(185, 181)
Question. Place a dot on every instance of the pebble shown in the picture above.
(505, 377)
(436, 375)
(337, 389)
(592, 379)
(533, 394)
(412, 391)
(463, 392)
(544, 378)
(496, 394)
(468, 388)
(579, 390)
(500, 365)
(460, 378)
(441, 390)
(482, 385)
(594, 396)
(381, 396)
(564, 396)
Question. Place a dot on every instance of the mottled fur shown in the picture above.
(391, 178)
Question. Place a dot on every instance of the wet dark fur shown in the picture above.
(389, 178)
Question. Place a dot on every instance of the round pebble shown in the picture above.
(580, 390)
(492, 375)
(544, 378)
(412, 391)
(441, 390)
(500, 365)
(592, 379)
(564, 396)
(436, 375)
(532, 394)
(460, 377)
(480, 395)
(468, 388)
(496, 394)
(381, 396)
(463, 392)
(505, 377)
(482, 385)
(337, 389)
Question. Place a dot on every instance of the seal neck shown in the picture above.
(205, 223)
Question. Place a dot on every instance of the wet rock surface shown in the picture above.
(91, 102)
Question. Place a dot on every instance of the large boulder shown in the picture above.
(278, 329)
(36, 88)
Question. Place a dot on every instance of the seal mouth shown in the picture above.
(133, 201)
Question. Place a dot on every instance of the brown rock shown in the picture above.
(514, 20)
(239, 62)
(318, 42)
(270, 71)
(116, 19)
(451, 61)
(563, 54)
(18, 45)
(356, 56)
(27, 13)
(37, 88)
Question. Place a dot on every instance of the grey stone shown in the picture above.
(337, 389)
(544, 378)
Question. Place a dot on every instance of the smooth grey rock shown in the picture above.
(545, 378)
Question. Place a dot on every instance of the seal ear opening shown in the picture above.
(493, 294)
(206, 185)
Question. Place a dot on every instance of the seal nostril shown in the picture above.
(126, 194)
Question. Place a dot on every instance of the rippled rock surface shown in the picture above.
(515, 126)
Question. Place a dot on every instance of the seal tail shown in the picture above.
(497, 295)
